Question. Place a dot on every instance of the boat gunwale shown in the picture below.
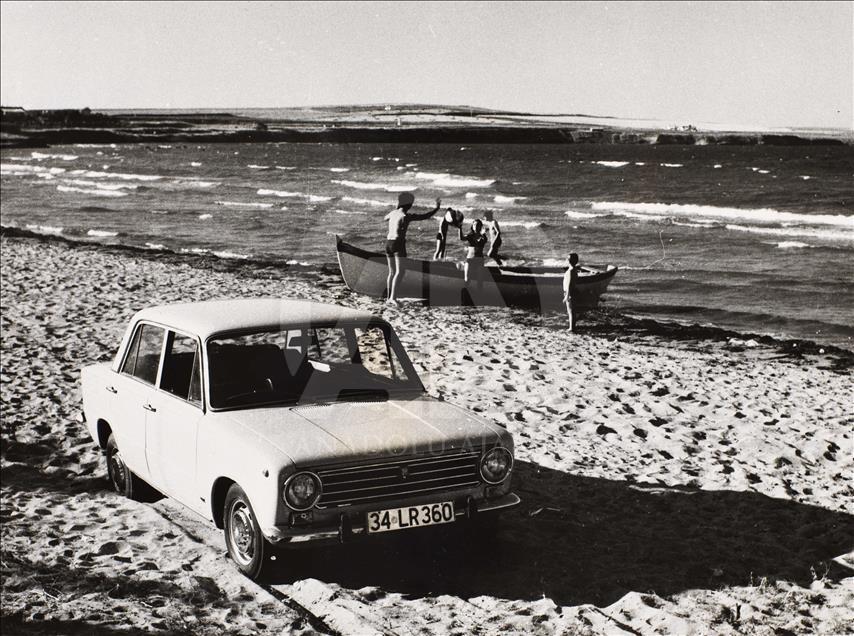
(510, 275)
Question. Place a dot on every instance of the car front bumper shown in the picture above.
(352, 526)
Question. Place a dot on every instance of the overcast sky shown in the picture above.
(763, 63)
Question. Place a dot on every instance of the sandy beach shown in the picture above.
(673, 480)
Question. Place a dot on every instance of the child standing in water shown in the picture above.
(494, 237)
(570, 282)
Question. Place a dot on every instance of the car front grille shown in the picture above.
(389, 480)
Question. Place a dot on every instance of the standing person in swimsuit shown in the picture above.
(452, 217)
(474, 241)
(494, 237)
(570, 282)
(395, 247)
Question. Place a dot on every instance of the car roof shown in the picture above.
(207, 318)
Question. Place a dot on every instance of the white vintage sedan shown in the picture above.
(285, 422)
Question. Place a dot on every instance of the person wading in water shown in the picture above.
(395, 247)
(494, 236)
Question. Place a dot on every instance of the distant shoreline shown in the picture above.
(34, 129)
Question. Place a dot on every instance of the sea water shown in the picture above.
(758, 239)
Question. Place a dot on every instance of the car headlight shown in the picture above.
(302, 491)
(495, 465)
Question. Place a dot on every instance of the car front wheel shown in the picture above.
(246, 545)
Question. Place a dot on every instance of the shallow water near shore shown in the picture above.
(755, 239)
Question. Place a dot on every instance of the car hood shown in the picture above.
(320, 434)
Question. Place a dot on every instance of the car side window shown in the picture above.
(181, 368)
(143, 358)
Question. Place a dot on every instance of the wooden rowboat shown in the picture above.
(442, 283)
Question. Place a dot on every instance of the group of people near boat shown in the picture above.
(474, 240)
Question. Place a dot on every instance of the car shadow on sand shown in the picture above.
(589, 540)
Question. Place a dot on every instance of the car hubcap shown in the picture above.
(117, 471)
(242, 532)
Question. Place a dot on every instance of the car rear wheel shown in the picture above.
(246, 545)
(121, 478)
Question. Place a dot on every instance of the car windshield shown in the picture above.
(317, 362)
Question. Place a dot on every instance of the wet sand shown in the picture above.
(673, 480)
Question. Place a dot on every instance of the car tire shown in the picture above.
(246, 546)
(122, 479)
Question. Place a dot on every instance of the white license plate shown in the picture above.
(410, 517)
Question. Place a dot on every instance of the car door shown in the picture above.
(133, 390)
(173, 422)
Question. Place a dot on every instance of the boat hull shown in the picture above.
(442, 283)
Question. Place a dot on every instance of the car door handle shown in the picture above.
(112, 389)
(148, 407)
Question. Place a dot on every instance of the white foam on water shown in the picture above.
(101, 233)
(45, 229)
(502, 199)
(94, 174)
(232, 255)
(696, 212)
(386, 187)
(295, 262)
(640, 163)
(242, 204)
(255, 166)
(278, 193)
(361, 185)
(646, 218)
(195, 164)
(160, 211)
(102, 186)
(471, 195)
(448, 180)
(285, 194)
(528, 225)
(18, 170)
(671, 165)
(205, 216)
(376, 158)
(164, 146)
(40, 156)
(195, 183)
(612, 164)
(155, 246)
(703, 223)
(805, 177)
(574, 214)
(348, 212)
(96, 192)
(826, 235)
(371, 202)
(717, 165)
(411, 165)
(339, 170)
(286, 167)
(788, 245)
